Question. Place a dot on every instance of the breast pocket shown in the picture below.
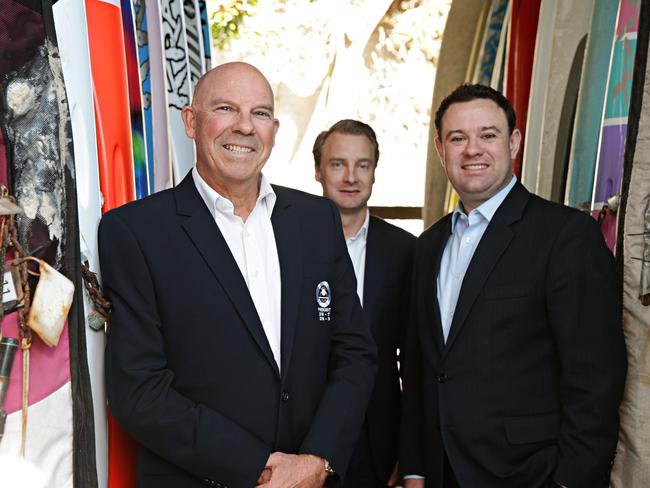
(506, 291)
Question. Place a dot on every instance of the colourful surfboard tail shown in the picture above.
(138, 135)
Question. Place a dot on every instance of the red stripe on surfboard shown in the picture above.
(108, 64)
(116, 176)
(521, 52)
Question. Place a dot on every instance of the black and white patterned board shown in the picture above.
(178, 85)
(194, 38)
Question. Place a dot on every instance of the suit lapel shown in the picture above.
(375, 269)
(428, 282)
(210, 243)
(288, 242)
(494, 242)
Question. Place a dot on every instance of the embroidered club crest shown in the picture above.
(323, 301)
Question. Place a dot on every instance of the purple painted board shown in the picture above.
(612, 150)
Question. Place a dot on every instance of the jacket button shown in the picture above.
(442, 377)
(285, 396)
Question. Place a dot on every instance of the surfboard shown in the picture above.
(521, 49)
(490, 45)
(609, 166)
(111, 102)
(135, 101)
(142, 41)
(559, 51)
(206, 36)
(116, 171)
(194, 37)
(178, 85)
(75, 63)
(498, 72)
(162, 169)
(589, 110)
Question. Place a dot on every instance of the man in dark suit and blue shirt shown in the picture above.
(515, 363)
(238, 354)
(346, 157)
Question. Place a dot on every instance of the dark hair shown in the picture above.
(346, 126)
(466, 93)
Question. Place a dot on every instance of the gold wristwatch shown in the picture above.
(328, 468)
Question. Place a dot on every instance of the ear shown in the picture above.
(440, 150)
(276, 126)
(515, 141)
(189, 119)
(317, 175)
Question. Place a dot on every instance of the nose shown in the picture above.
(244, 124)
(473, 146)
(350, 174)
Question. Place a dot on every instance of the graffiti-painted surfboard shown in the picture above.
(178, 85)
(135, 101)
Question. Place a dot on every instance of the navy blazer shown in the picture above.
(386, 291)
(190, 373)
(525, 391)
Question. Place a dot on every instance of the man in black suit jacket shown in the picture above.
(238, 354)
(515, 361)
(346, 157)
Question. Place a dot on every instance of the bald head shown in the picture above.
(233, 126)
(228, 74)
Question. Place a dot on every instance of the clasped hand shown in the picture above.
(293, 471)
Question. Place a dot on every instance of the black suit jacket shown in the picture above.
(190, 373)
(526, 390)
(389, 258)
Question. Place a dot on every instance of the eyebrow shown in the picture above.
(340, 158)
(220, 101)
(481, 129)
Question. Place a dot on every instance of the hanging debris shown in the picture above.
(37, 129)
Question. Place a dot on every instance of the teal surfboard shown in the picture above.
(591, 100)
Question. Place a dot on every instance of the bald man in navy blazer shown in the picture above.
(346, 157)
(238, 354)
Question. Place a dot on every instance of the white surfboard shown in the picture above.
(561, 32)
(75, 62)
(163, 177)
(178, 85)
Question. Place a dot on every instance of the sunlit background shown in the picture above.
(372, 60)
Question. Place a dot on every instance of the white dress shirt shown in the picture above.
(466, 233)
(252, 244)
(357, 251)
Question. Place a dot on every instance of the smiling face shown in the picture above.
(231, 121)
(477, 150)
(347, 171)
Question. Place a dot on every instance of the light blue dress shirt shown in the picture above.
(466, 233)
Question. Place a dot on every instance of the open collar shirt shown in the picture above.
(252, 244)
(357, 251)
(466, 233)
